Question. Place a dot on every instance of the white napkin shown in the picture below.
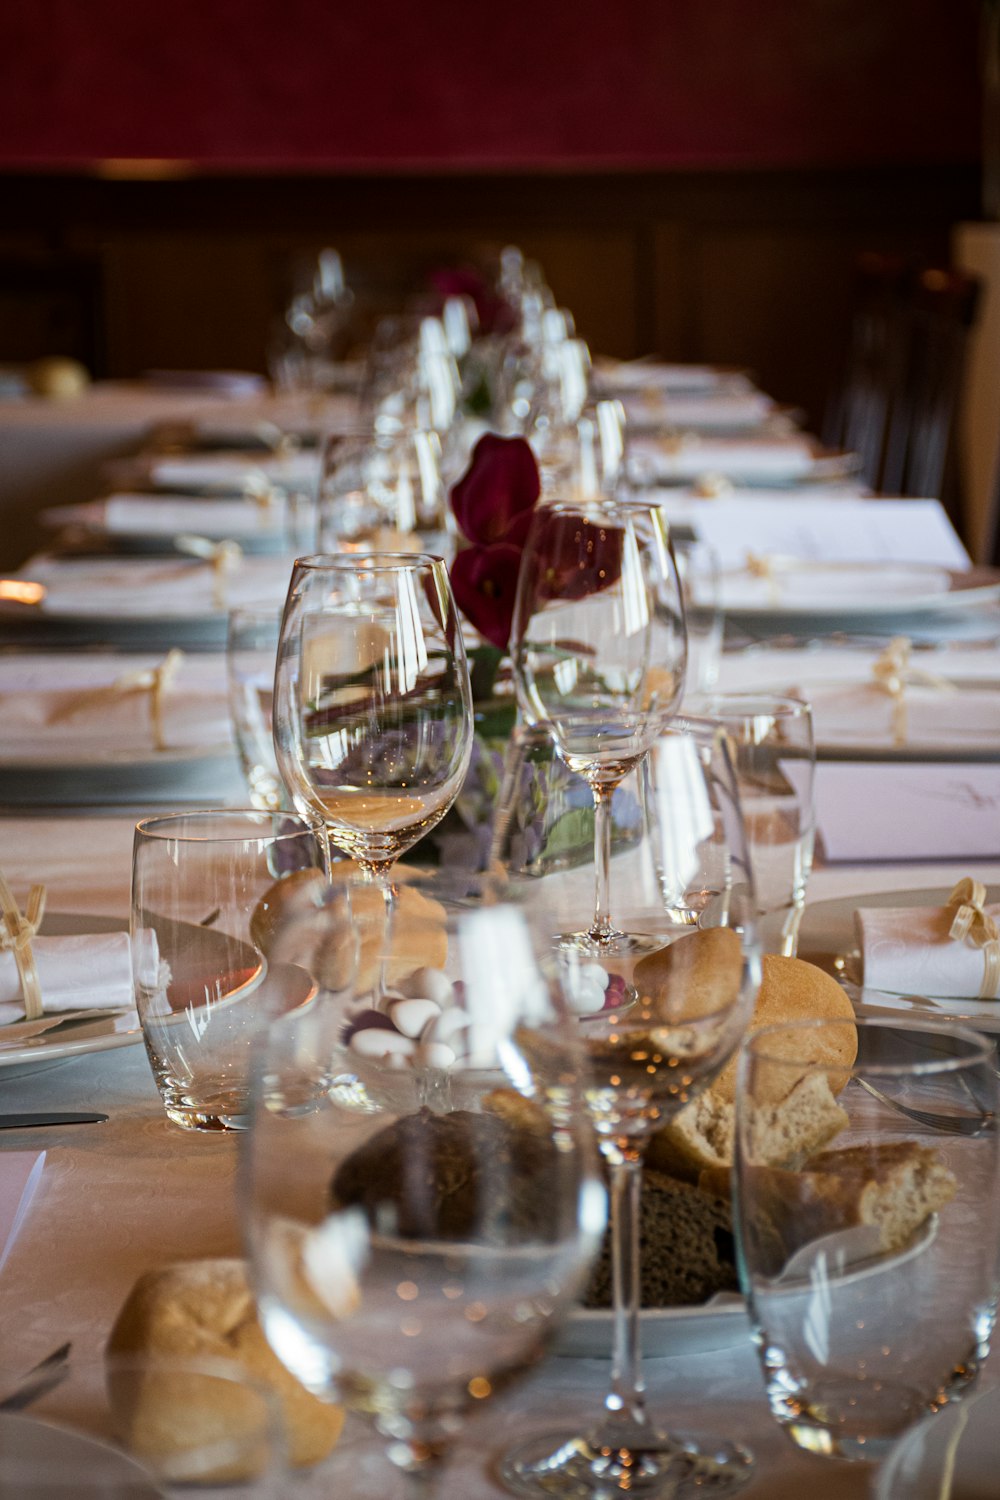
(139, 515)
(793, 584)
(774, 459)
(742, 412)
(227, 471)
(90, 971)
(125, 588)
(907, 951)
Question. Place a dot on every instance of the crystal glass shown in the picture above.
(774, 752)
(656, 1031)
(869, 1258)
(373, 718)
(391, 485)
(251, 655)
(420, 1194)
(599, 650)
(204, 889)
(700, 572)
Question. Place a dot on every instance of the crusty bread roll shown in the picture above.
(698, 974)
(205, 1309)
(890, 1186)
(802, 1119)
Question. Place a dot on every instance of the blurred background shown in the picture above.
(697, 179)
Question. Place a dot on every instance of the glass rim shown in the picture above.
(980, 1048)
(367, 562)
(612, 504)
(157, 825)
(737, 706)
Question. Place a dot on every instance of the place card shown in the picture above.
(20, 1174)
(888, 811)
(839, 530)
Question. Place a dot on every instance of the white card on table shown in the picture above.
(20, 1174)
(842, 530)
(870, 811)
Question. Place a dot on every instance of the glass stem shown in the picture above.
(601, 929)
(625, 1403)
(377, 873)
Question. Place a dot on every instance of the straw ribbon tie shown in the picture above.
(972, 924)
(225, 557)
(17, 929)
(893, 674)
(152, 680)
(759, 566)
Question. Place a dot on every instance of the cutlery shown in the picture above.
(39, 1380)
(28, 1121)
(17, 1033)
(951, 1124)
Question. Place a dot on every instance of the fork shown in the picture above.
(39, 1380)
(970, 1125)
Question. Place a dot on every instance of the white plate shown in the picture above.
(849, 593)
(827, 938)
(123, 1031)
(43, 1446)
(720, 1324)
(853, 720)
(69, 776)
(949, 1456)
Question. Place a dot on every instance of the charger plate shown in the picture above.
(32, 1448)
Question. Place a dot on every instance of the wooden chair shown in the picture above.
(857, 414)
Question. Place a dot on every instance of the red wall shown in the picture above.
(362, 85)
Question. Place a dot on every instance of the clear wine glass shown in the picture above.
(373, 707)
(657, 1031)
(411, 1261)
(599, 650)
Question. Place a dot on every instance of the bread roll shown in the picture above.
(205, 1309)
(700, 1138)
(698, 974)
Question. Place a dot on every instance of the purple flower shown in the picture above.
(494, 499)
(484, 582)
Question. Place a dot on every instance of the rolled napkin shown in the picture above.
(90, 971)
(949, 952)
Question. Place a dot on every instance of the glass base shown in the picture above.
(614, 944)
(189, 1118)
(655, 1466)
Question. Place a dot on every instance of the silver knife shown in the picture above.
(56, 1117)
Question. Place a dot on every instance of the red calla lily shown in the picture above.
(498, 491)
(484, 582)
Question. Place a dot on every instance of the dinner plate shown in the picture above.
(73, 776)
(951, 1455)
(958, 720)
(719, 1324)
(31, 1450)
(48, 1049)
(850, 594)
(827, 939)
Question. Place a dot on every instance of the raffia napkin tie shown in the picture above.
(893, 674)
(759, 566)
(17, 929)
(974, 926)
(225, 558)
(152, 680)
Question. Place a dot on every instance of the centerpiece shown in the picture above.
(520, 805)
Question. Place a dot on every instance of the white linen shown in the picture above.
(90, 971)
(741, 411)
(232, 471)
(168, 516)
(907, 951)
(123, 588)
(773, 460)
(620, 376)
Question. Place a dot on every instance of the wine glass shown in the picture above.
(599, 651)
(657, 1031)
(410, 1261)
(373, 706)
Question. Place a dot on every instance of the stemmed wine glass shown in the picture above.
(599, 650)
(656, 1031)
(409, 1262)
(372, 702)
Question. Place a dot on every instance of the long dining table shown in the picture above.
(119, 1197)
